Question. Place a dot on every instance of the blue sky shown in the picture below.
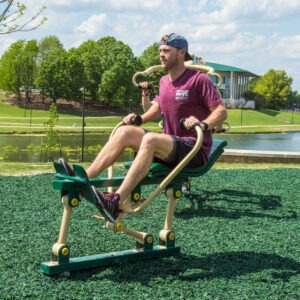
(255, 35)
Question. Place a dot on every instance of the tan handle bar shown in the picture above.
(188, 64)
(172, 175)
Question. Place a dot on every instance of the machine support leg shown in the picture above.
(60, 251)
(65, 222)
(170, 209)
(167, 236)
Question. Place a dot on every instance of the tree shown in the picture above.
(275, 88)
(53, 74)
(259, 99)
(49, 43)
(12, 12)
(104, 68)
(119, 65)
(9, 81)
(251, 95)
(45, 45)
(18, 67)
(28, 67)
(294, 102)
(89, 53)
(149, 58)
(75, 76)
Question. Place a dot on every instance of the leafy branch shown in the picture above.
(12, 12)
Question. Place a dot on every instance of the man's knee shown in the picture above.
(130, 136)
(157, 141)
(123, 130)
(150, 138)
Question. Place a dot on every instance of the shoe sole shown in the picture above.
(100, 205)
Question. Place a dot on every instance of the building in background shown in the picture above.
(235, 82)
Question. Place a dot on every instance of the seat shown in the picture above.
(161, 170)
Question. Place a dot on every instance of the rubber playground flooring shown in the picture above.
(238, 230)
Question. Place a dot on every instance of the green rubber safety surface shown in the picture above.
(238, 232)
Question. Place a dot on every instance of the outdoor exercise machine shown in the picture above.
(165, 179)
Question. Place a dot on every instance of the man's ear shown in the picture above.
(182, 53)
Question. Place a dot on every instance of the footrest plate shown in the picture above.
(106, 259)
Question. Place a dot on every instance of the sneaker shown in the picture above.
(69, 171)
(108, 204)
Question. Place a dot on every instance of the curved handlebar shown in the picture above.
(172, 174)
(182, 124)
(188, 64)
(170, 177)
(221, 129)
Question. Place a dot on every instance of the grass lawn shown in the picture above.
(239, 233)
(14, 119)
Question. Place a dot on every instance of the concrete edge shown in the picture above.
(239, 155)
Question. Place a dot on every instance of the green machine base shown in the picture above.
(106, 259)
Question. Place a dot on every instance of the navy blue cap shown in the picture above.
(178, 41)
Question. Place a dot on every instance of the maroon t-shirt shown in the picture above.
(192, 94)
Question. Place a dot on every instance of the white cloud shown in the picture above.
(289, 47)
(265, 10)
(94, 25)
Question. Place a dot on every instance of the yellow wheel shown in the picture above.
(119, 226)
(171, 236)
(136, 196)
(149, 240)
(178, 194)
(65, 251)
(74, 202)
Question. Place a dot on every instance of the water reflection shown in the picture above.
(289, 142)
(27, 148)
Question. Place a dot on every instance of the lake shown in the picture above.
(289, 142)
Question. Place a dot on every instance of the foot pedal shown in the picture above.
(59, 168)
(80, 172)
(84, 188)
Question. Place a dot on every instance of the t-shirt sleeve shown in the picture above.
(209, 93)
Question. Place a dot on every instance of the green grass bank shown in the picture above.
(14, 119)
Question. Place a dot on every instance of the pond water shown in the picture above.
(15, 147)
(289, 142)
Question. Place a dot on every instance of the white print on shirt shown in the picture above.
(182, 95)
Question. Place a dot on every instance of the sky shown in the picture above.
(255, 35)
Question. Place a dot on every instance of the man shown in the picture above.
(183, 93)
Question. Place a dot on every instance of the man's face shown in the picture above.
(169, 56)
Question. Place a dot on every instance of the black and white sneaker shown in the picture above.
(108, 204)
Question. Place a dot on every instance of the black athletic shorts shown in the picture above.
(181, 147)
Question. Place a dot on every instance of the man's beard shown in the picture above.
(169, 64)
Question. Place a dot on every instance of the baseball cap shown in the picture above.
(178, 41)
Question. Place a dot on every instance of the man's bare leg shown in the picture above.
(148, 145)
(152, 145)
(125, 136)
